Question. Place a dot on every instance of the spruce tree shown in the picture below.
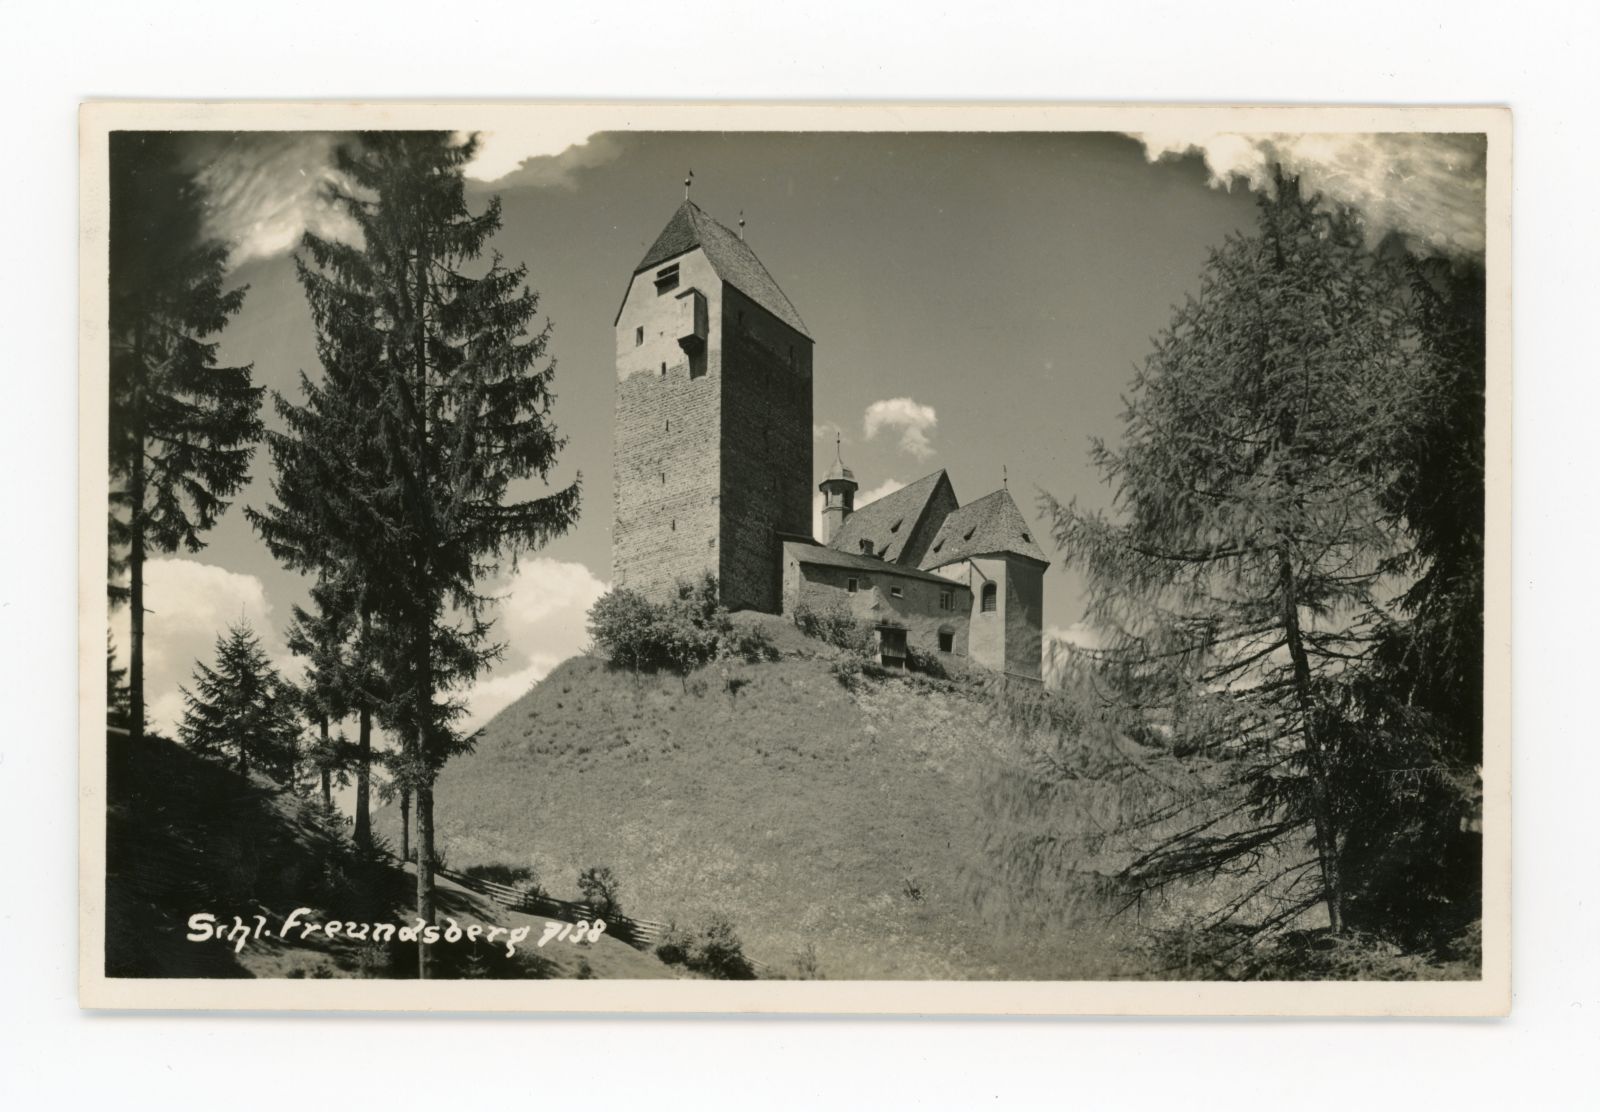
(182, 428)
(242, 710)
(323, 638)
(1244, 579)
(439, 391)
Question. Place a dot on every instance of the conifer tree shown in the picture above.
(441, 394)
(116, 687)
(182, 428)
(1242, 582)
(323, 639)
(242, 710)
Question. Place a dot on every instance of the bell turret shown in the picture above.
(838, 495)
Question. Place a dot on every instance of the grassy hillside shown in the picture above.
(823, 822)
(186, 834)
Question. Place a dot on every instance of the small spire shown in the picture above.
(687, 182)
(741, 223)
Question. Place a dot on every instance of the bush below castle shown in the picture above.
(687, 631)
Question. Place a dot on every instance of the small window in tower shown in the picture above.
(669, 424)
(663, 478)
(638, 336)
(663, 369)
(851, 584)
(711, 542)
(990, 592)
(947, 640)
(896, 592)
(667, 279)
(674, 525)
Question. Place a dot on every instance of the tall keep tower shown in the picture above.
(712, 437)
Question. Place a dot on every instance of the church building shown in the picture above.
(712, 473)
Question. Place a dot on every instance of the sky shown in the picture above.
(978, 302)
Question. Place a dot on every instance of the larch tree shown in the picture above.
(1243, 576)
(241, 709)
(446, 377)
(182, 428)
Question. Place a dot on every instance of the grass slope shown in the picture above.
(186, 834)
(813, 817)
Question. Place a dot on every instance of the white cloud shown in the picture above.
(1059, 643)
(913, 420)
(888, 486)
(542, 620)
(264, 190)
(1427, 186)
(543, 152)
(188, 606)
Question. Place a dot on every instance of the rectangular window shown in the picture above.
(947, 641)
(850, 584)
(638, 336)
(896, 592)
(947, 600)
(666, 279)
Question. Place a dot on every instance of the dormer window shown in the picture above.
(866, 546)
(667, 279)
(1026, 539)
(969, 533)
(895, 528)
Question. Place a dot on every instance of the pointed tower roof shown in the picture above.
(838, 470)
(730, 257)
(992, 524)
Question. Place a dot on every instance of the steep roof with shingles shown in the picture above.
(890, 521)
(991, 524)
(730, 257)
(828, 557)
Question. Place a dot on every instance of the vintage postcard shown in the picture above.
(843, 559)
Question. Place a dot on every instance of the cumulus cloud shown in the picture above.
(910, 418)
(888, 486)
(189, 605)
(1061, 641)
(542, 620)
(542, 154)
(264, 190)
(1428, 187)
(827, 430)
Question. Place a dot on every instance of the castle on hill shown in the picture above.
(713, 465)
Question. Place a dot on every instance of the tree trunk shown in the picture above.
(136, 558)
(1322, 809)
(327, 772)
(424, 871)
(405, 824)
(363, 825)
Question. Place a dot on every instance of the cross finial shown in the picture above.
(688, 181)
(741, 223)
(1005, 479)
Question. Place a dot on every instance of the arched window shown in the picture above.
(990, 593)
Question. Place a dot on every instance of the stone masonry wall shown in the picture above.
(765, 464)
(665, 458)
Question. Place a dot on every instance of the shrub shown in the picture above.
(601, 891)
(849, 671)
(755, 646)
(523, 878)
(929, 664)
(838, 627)
(713, 951)
(680, 634)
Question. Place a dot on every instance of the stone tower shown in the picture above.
(712, 437)
(838, 496)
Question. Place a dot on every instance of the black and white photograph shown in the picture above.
(748, 559)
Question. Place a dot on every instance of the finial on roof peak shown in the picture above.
(741, 223)
(687, 182)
